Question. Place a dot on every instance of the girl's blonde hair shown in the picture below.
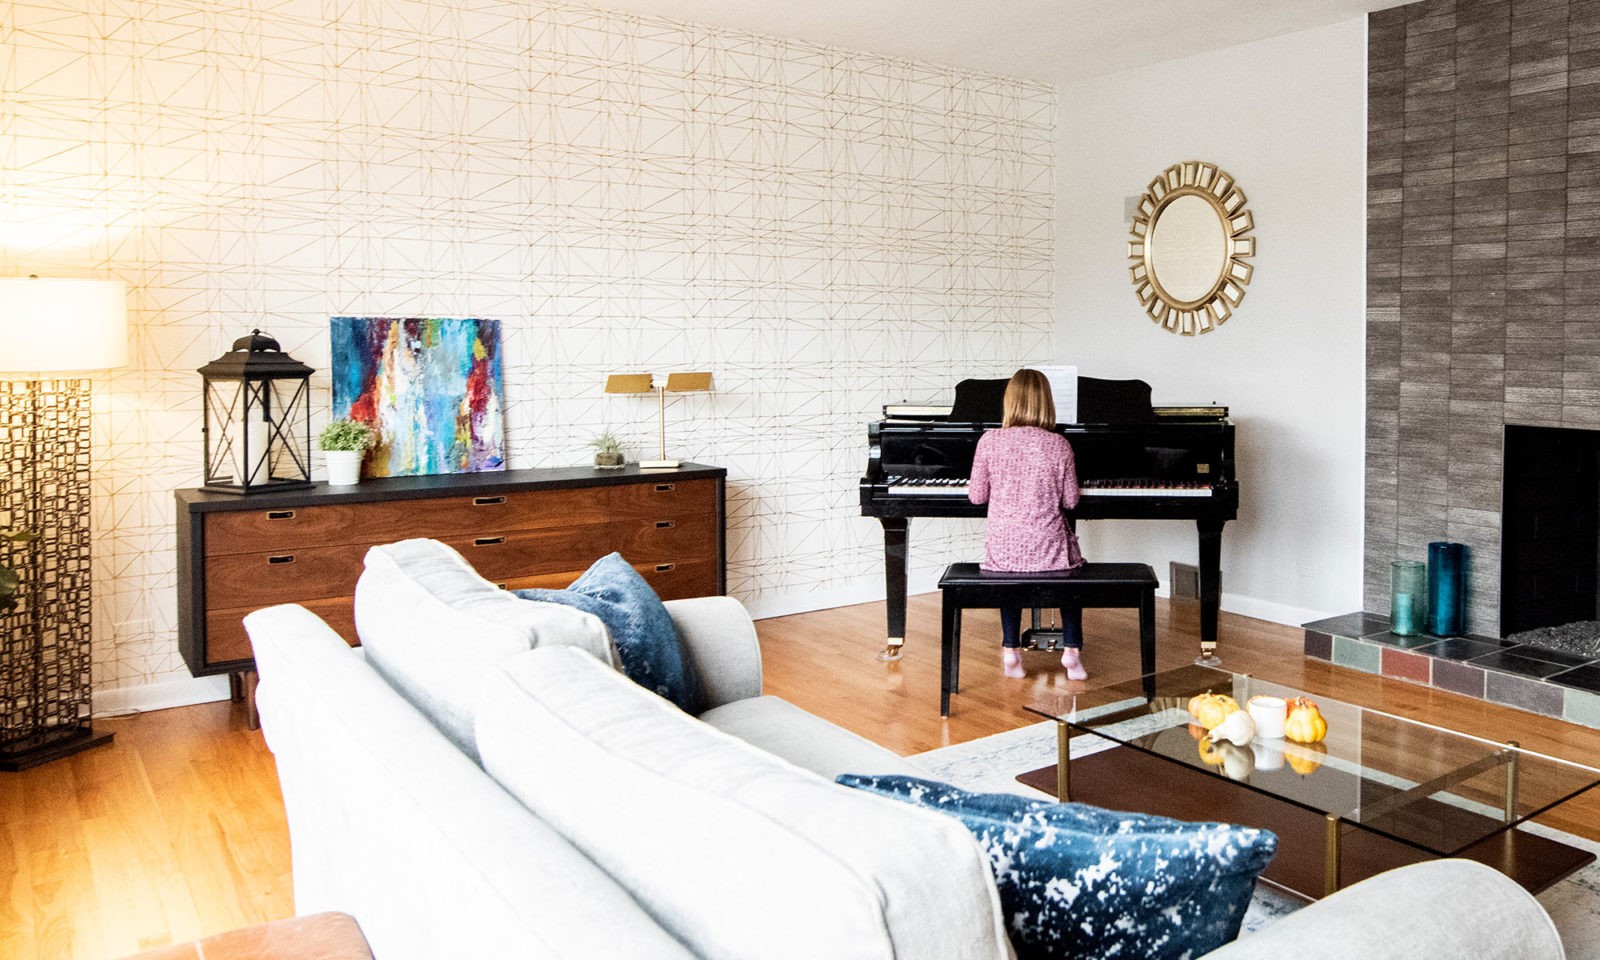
(1028, 402)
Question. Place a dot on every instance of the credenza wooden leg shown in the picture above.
(252, 719)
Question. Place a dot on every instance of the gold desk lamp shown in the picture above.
(644, 383)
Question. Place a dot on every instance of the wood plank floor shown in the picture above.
(176, 830)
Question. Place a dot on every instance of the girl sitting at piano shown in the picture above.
(1025, 473)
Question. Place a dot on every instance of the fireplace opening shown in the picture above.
(1550, 538)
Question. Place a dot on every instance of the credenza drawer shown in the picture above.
(227, 641)
(692, 537)
(501, 556)
(252, 580)
(251, 531)
(677, 581)
(664, 498)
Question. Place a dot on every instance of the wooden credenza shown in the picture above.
(518, 528)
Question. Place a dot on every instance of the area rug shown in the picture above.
(992, 764)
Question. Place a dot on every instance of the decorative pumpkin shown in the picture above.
(1304, 758)
(1305, 723)
(1210, 709)
(1196, 731)
(1208, 753)
(1238, 728)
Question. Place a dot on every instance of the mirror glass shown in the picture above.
(1188, 248)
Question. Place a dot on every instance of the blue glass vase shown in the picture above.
(1447, 573)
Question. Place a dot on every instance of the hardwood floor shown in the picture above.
(176, 830)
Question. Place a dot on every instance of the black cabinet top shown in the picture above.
(374, 489)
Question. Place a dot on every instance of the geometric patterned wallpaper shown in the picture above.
(824, 229)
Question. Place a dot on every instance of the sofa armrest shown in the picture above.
(1442, 908)
(720, 640)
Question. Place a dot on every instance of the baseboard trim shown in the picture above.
(766, 608)
(1269, 610)
(142, 698)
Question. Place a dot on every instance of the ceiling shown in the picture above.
(1056, 41)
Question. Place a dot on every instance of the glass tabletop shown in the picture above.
(1413, 782)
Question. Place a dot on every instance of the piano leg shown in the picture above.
(895, 550)
(1210, 590)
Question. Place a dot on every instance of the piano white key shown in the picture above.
(1146, 491)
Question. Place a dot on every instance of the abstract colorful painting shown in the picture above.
(431, 388)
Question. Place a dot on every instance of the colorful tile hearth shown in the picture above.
(1549, 682)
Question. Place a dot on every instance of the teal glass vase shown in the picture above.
(1408, 586)
(1447, 589)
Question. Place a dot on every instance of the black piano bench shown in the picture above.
(965, 585)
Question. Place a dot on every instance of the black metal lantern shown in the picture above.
(257, 418)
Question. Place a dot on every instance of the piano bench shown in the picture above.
(966, 585)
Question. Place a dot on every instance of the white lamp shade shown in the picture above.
(60, 324)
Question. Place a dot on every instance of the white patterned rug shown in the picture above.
(992, 764)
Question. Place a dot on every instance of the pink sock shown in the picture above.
(1011, 662)
(1071, 659)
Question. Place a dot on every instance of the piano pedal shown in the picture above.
(1043, 639)
(892, 651)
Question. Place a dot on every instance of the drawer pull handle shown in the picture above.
(280, 514)
(665, 487)
(487, 501)
(665, 524)
(286, 558)
(488, 541)
(664, 567)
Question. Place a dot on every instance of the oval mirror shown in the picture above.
(1189, 248)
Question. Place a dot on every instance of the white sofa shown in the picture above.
(606, 823)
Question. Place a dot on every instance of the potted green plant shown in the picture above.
(607, 451)
(9, 581)
(345, 442)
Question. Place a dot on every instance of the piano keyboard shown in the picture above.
(943, 487)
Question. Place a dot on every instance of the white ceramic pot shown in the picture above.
(344, 467)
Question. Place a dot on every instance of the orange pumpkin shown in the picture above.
(1210, 709)
(1305, 723)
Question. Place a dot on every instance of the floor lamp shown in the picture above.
(49, 327)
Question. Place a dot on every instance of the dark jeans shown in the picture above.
(1071, 627)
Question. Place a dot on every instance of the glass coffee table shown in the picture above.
(1378, 792)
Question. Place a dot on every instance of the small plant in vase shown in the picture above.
(10, 583)
(607, 451)
(345, 443)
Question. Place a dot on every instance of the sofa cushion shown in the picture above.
(432, 628)
(390, 823)
(1080, 883)
(735, 852)
(804, 739)
(647, 642)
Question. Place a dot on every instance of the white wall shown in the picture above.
(824, 230)
(1286, 117)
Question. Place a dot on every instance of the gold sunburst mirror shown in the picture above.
(1189, 248)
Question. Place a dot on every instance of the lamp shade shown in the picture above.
(61, 324)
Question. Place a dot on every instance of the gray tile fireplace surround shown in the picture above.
(1549, 682)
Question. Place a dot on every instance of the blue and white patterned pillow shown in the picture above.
(1084, 883)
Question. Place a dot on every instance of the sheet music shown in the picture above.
(1063, 389)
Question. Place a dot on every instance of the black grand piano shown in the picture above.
(1135, 461)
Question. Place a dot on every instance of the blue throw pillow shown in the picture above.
(647, 641)
(1084, 883)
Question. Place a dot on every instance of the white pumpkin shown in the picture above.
(1238, 729)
